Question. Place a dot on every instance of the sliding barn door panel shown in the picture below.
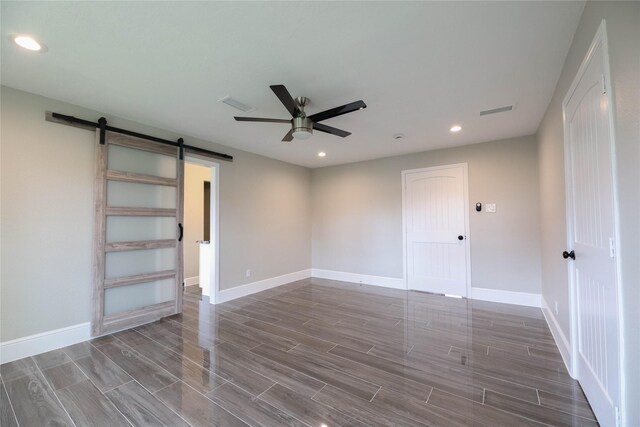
(138, 249)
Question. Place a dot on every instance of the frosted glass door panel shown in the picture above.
(118, 300)
(129, 263)
(139, 161)
(127, 194)
(132, 228)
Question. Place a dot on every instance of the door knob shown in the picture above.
(460, 237)
(571, 255)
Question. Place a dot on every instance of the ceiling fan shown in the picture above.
(302, 126)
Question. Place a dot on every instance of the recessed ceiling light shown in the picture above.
(29, 43)
(456, 128)
(322, 154)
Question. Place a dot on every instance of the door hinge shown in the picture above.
(618, 417)
(604, 85)
(612, 248)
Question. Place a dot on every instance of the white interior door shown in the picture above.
(138, 268)
(591, 225)
(435, 217)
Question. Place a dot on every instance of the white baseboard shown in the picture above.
(190, 281)
(506, 297)
(558, 336)
(43, 342)
(261, 285)
(51, 340)
(484, 294)
(387, 282)
(58, 338)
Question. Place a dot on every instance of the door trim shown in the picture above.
(465, 185)
(214, 224)
(600, 39)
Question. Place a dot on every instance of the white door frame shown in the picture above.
(465, 184)
(600, 38)
(214, 221)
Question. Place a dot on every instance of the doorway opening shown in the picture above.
(201, 227)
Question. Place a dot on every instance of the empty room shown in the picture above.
(320, 213)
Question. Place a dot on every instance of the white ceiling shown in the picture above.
(420, 67)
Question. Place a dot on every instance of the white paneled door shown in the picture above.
(591, 225)
(138, 268)
(436, 224)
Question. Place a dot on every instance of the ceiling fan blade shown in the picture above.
(331, 130)
(288, 137)
(338, 111)
(260, 119)
(287, 100)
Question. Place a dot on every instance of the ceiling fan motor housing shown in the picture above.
(302, 127)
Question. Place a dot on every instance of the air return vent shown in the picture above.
(496, 110)
(236, 104)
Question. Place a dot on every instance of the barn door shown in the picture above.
(435, 218)
(591, 234)
(138, 269)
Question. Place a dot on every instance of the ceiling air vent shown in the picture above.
(236, 104)
(496, 110)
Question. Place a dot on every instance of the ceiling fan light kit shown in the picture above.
(302, 126)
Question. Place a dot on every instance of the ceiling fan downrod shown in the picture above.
(302, 127)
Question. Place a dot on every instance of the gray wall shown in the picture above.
(47, 220)
(266, 212)
(623, 31)
(357, 213)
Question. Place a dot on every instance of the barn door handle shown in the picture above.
(571, 255)
(181, 232)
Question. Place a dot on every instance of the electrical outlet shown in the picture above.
(248, 273)
(556, 303)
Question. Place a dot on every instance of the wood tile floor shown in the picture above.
(310, 353)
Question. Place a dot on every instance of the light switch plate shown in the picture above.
(490, 208)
